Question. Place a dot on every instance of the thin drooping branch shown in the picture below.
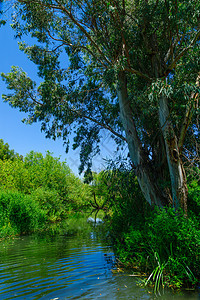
(34, 100)
(94, 120)
(56, 48)
(83, 115)
(105, 126)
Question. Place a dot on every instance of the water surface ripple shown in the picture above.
(64, 268)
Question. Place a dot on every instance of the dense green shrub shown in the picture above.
(166, 235)
(194, 197)
(118, 192)
(49, 200)
(19, 214)
(14, 175)
(47, 173)
(177, 240)
(38, 187)
(154, 241)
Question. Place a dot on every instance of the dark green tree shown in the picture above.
(128, 67)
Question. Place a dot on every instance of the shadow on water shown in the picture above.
(66, 267)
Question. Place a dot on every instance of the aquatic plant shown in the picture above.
(157, 275)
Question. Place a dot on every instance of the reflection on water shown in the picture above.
(65, 268)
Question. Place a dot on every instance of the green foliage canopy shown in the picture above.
(36, 191)
(5, 152)
(45, 178)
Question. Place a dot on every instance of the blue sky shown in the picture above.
(24, 138)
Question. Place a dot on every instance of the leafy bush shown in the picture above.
(118, 192)
(48, 174)
(14, 175)
(19, 213)
(174, 238)
(36, 189)
(160, 242)
(49, 201)
(194, 197)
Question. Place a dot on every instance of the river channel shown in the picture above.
(67, 267)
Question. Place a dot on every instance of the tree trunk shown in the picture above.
(143, 171)
(176, 169)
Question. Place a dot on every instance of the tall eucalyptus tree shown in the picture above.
(128, 66)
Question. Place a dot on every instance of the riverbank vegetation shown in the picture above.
(40, 194)
(37, 191)
(163, 244)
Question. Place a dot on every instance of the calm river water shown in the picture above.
(66, 267)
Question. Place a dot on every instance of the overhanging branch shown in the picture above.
(105, 126)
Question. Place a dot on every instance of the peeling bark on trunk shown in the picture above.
(143, 171)
(175, 165)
